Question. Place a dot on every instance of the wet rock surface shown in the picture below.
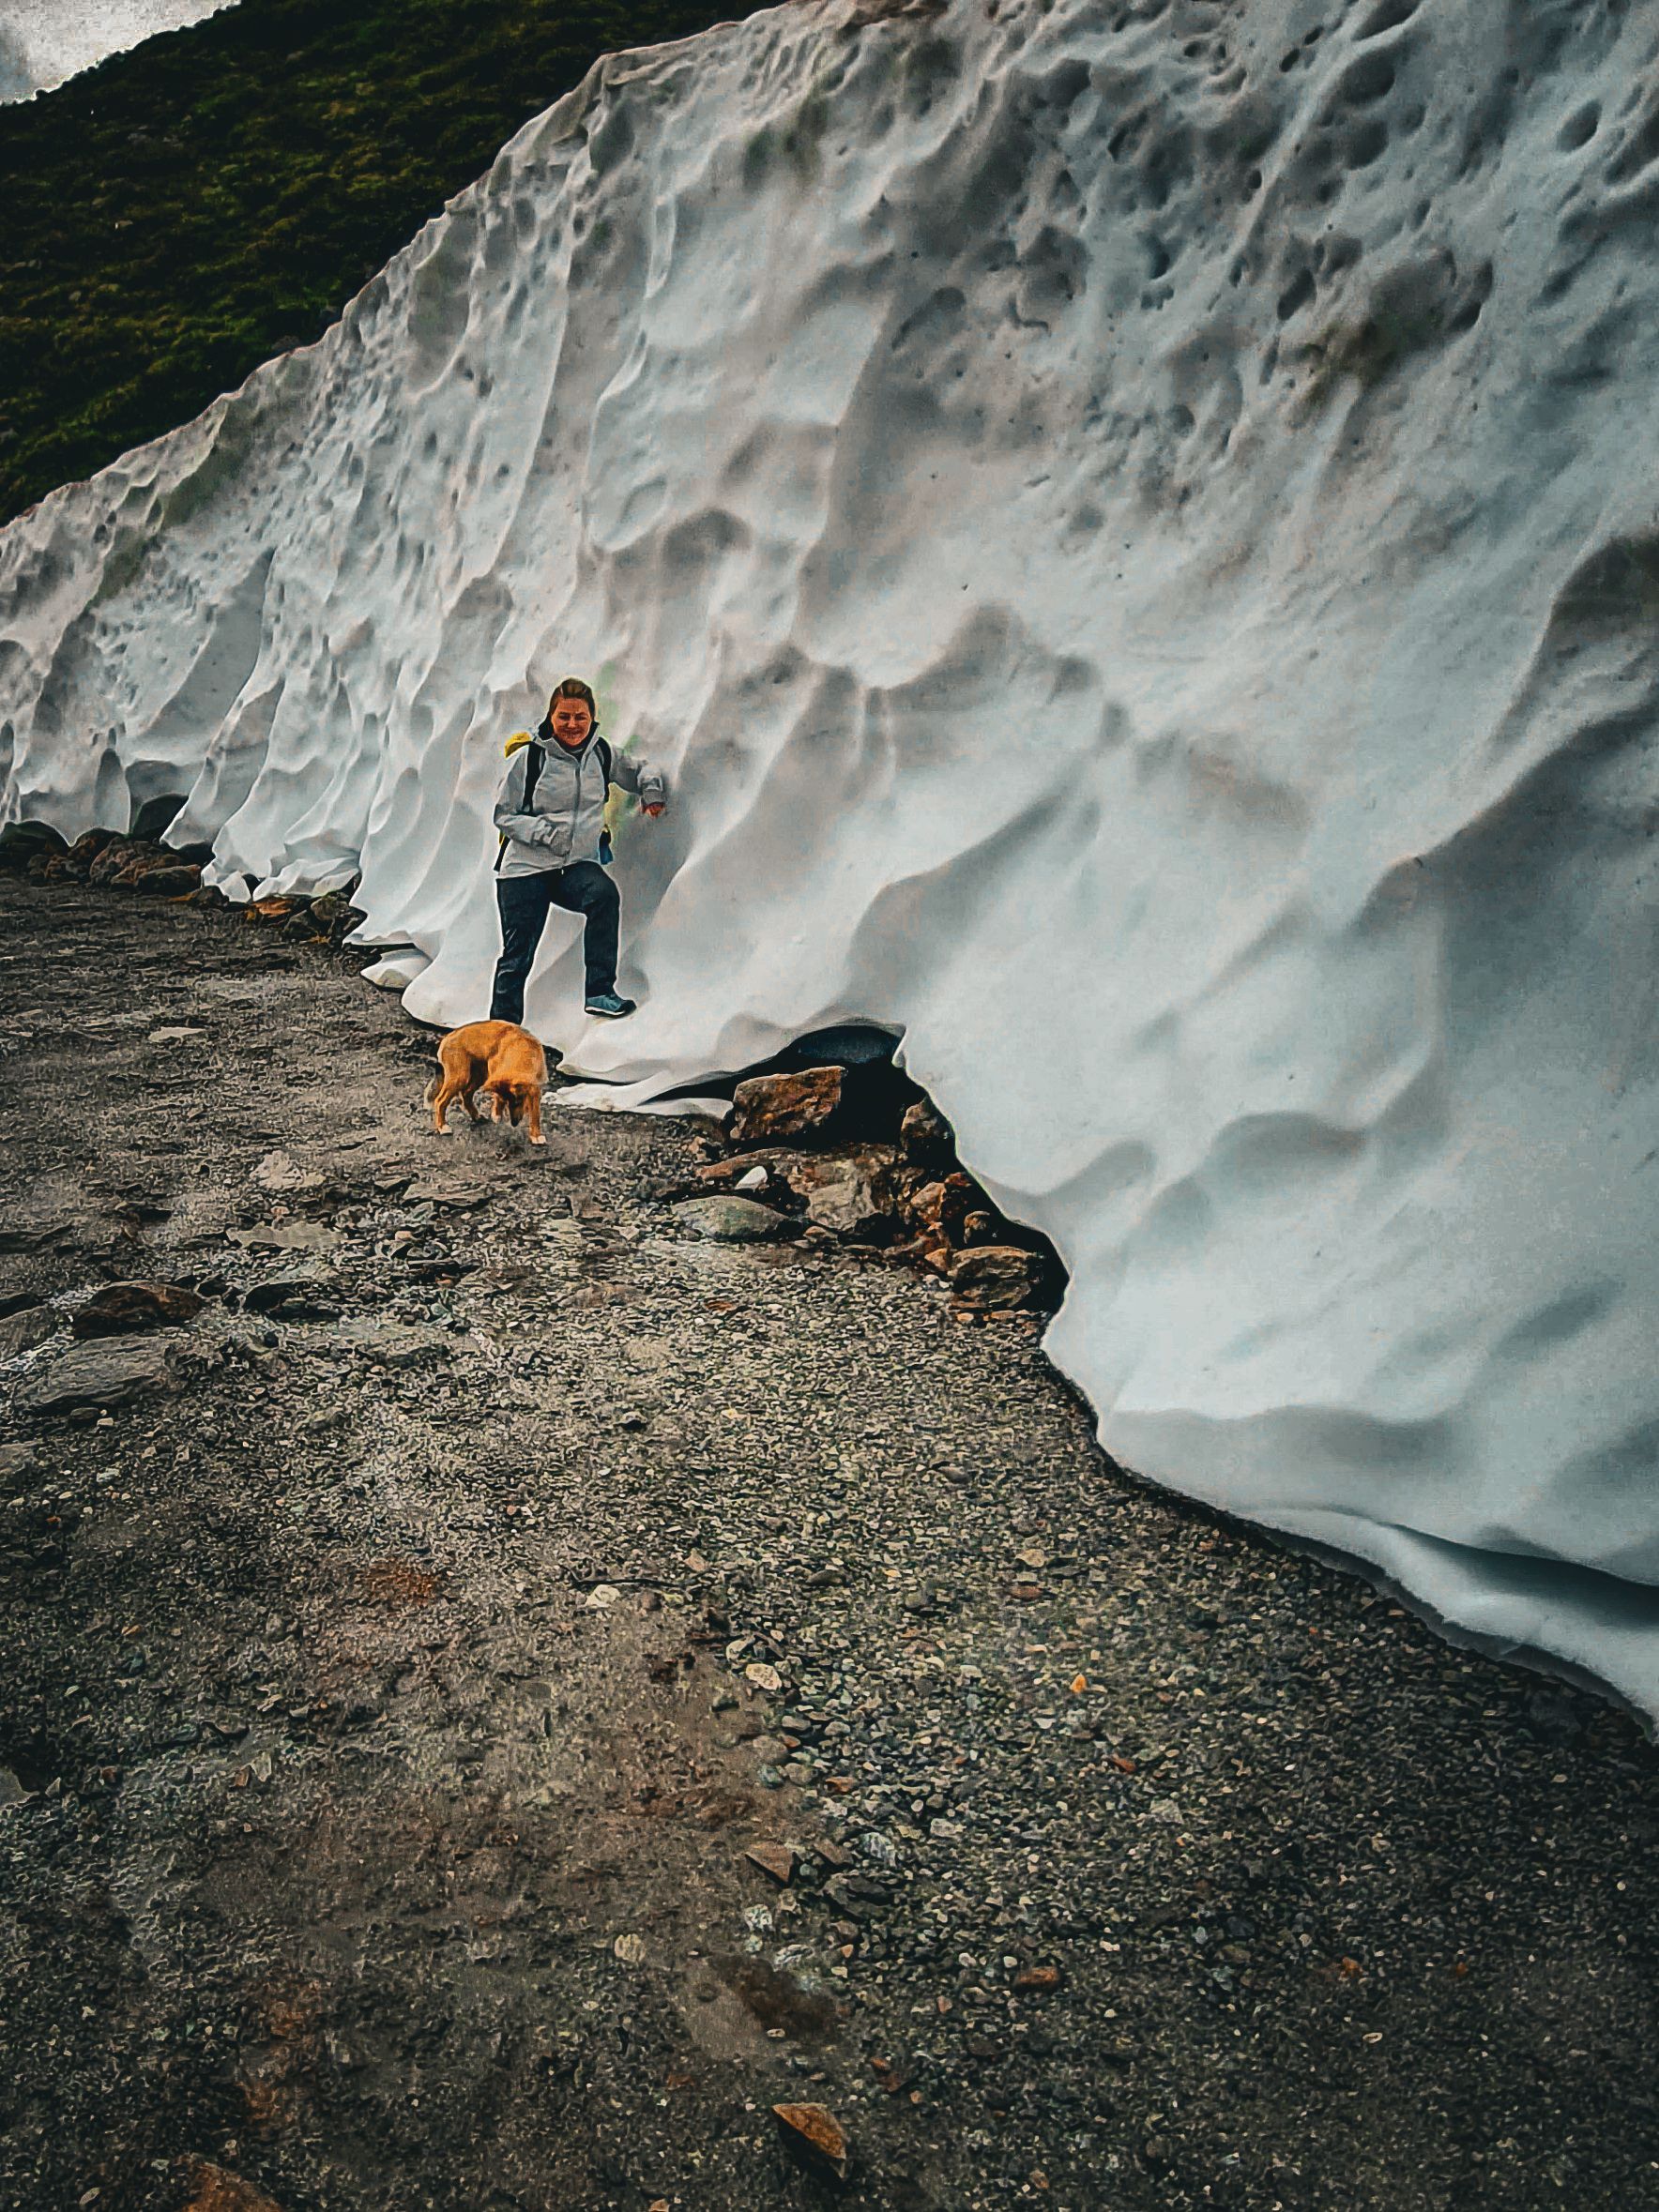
(531, 1698)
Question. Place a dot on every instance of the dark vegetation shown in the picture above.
(215, 197)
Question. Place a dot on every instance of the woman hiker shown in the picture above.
(550, 814)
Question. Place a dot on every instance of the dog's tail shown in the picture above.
(432, 1090)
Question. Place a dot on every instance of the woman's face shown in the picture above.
(572, 721)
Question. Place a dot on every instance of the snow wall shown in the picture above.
(1134, 531)
(43, 41)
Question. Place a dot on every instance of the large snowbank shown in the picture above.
(1133, 529)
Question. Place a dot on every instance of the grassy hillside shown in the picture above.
(177, 216)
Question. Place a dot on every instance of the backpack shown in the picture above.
(532, 775)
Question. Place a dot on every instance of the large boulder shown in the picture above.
(771, 1109)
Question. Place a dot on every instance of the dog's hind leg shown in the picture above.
(533, 1113)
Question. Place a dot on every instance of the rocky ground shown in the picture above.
(509, 1689)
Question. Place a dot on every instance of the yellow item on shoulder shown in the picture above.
(518, 737)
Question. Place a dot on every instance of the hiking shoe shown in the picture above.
(608, 1007)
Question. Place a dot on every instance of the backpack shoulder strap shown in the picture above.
(606, 757)
(516, 742)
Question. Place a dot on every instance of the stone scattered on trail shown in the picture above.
(1038, 1978)
(602, 1596)
(997, 1275)
(50, 1212)
(22, 1332)
(98, 1374)
(770, 1108)
(278, 1171)
(764, 1677)
(757, 1179)
(293, 1294)
(286, 1236)
(810, 2130)
(175, 1035)
(731, 1220)
(217, 2189)
(776, 1859)
(121, 1308)
(631, 1949)
(391, 1344)
(460, 1197)
(19, 1463)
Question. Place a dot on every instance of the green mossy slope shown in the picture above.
(187, 210)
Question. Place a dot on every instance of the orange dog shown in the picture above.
(495, 1056)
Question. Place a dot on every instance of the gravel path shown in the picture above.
(397, 1682)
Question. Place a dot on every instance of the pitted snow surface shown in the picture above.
(1136, 541)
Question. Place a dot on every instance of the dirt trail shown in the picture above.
(400, 1669)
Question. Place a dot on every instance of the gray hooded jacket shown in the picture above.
(568, 805)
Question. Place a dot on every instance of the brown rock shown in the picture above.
(810, 2130)
(272, 913)
(217, 2189)
(85, 850)
(1001, 1275)
(770, 1109)
(853, 1191)
(122, 1307)
(334, 915)
(776, 1859)
(1037, 1977)
(121, 854)
(924, 1136)
(942, 1207)
(167, 882)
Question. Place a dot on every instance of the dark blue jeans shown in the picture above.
(583, 888)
